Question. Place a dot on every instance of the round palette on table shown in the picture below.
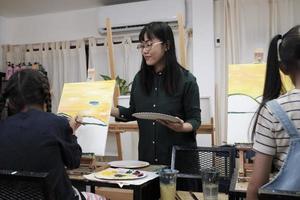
(129, 164)
(119, 174)
(156, 116)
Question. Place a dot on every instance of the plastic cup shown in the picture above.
(210, 184)
(167, 182)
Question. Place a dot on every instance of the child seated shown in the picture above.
(34, 139)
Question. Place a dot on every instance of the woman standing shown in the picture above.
(162, 86)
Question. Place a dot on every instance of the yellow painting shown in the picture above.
(88, 99)
(249, 79)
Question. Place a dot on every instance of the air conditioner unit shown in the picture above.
(131, 17)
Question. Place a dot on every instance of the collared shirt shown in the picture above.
(155, 139)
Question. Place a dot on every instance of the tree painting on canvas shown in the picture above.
(92, 101)
(245, 89)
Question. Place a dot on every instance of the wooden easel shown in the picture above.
(182, 48)
(111, 59)
(113, 76)
(120, 127)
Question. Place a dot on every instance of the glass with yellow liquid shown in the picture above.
(167, 182)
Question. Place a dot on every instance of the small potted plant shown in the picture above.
(124, 89)
(122, 83)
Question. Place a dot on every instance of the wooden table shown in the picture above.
(185, 195)
(238, 187)
(120, 127)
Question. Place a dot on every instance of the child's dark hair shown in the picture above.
(284, 54)
(26, 87)
(163, 32)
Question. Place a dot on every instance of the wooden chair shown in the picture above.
(21, 185)
(245, 166)
(264, 194)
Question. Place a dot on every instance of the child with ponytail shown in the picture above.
(271, 140)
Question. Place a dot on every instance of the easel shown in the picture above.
(113, 76)
(245, 168)
(121, 127)
(182, 48)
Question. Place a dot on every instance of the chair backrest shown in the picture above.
(21, 185)
(191, 160)
(264, 194)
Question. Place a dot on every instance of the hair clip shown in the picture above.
(278, 45)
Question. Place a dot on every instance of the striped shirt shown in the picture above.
(270, 137)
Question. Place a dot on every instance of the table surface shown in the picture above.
(103, 165)
(185, 195)
(238, 186)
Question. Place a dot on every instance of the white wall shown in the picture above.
(52, 27)
(203, 47)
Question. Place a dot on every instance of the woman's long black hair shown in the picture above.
(172, 78)
(285, 53)
(26, 87)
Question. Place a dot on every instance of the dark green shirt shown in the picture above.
(155, 139)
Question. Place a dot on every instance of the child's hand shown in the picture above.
(75, 123)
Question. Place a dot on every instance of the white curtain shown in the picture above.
(248, 25)
(32, 56)
(127, 59)
(132, 59)
(4, 57)
(282, 16)
(98, 58)
(15, 54)
(62, 63)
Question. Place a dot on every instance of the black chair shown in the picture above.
(190, 161)
(21, 185)
(264, 194)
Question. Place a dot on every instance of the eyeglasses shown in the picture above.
(147, 46)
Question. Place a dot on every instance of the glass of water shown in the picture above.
(210, 183)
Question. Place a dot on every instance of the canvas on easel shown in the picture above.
(245, 89)
(93, 102)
